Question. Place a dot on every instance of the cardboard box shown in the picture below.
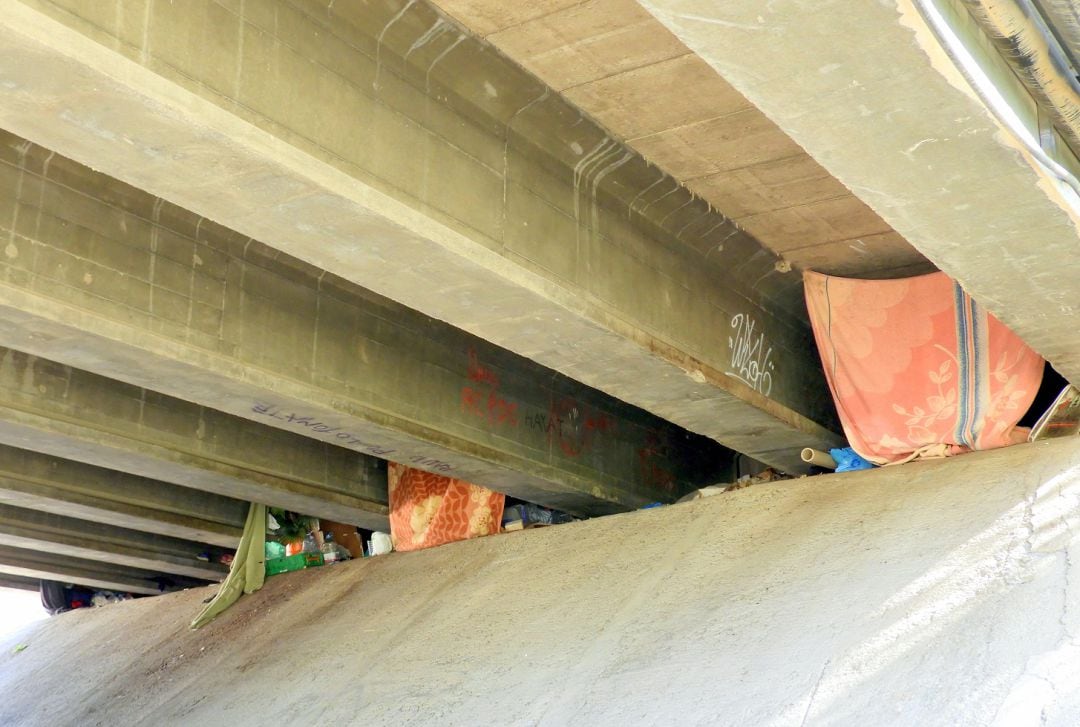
(345, 535)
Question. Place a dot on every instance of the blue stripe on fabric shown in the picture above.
(962, 358)
(978, 339)
(976, 360)
(973, 363)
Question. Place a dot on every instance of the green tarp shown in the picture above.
(248, 568)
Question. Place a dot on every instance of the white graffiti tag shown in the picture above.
(751, 359)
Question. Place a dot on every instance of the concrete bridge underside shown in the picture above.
(251, 250)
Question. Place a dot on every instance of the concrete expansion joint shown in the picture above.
(622, 70)
(1027, 523)
(1053, 689)
(535, 18)
(1067, 580)
(1030, 671)
(813, 692)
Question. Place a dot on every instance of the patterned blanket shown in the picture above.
(427, 509)
(917, 368)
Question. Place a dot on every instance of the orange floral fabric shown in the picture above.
(916, 366)
(427, 509)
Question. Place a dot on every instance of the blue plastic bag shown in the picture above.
(848, 461)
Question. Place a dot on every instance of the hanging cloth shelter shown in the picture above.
(248, 568)
(917, 368)
(427, 509)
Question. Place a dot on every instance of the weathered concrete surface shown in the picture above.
(104, 277)
(932, 594)
(73, 489)
(64, 412)
(621, 66)
(381, 143)
(95, 574)
(46, 533)
(19, 583)
(887, 114)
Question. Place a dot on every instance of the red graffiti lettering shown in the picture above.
(470, 401)
(501, 411)
(485, 402)
(574, 425)
(652, 458)
(479, 373)
(599, 423)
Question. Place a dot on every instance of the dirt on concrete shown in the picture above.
(934, 593)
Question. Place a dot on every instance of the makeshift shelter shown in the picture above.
(917, 368)
(427, 509)
(247, 572)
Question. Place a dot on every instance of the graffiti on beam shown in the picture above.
(344, 437)
(481, 398)
(751, 356)
(571, 425)
(653, 461)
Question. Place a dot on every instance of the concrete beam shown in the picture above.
(76, 490)
(106, 278)
(19, 583)
(379, 141)
(57, 410)
(620, 66)
(47, 533)
(50, 567)
(868, 90)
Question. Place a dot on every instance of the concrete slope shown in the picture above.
(930, 594)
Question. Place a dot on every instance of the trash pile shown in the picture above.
(426, 510)
(59, 597)
(294, 542)
(769, 474)
(526, 515)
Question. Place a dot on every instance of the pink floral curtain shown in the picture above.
(918, 368)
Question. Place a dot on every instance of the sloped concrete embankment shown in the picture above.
(934, 593)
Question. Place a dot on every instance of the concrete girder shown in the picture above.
(57, 410)
(20, 583)
(888, 113)
(24, 563)
(47, 533)
(77, 490)
(619, 65)
(106, 278)
(380, 142)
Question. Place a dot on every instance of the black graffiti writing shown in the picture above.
(343, 437)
